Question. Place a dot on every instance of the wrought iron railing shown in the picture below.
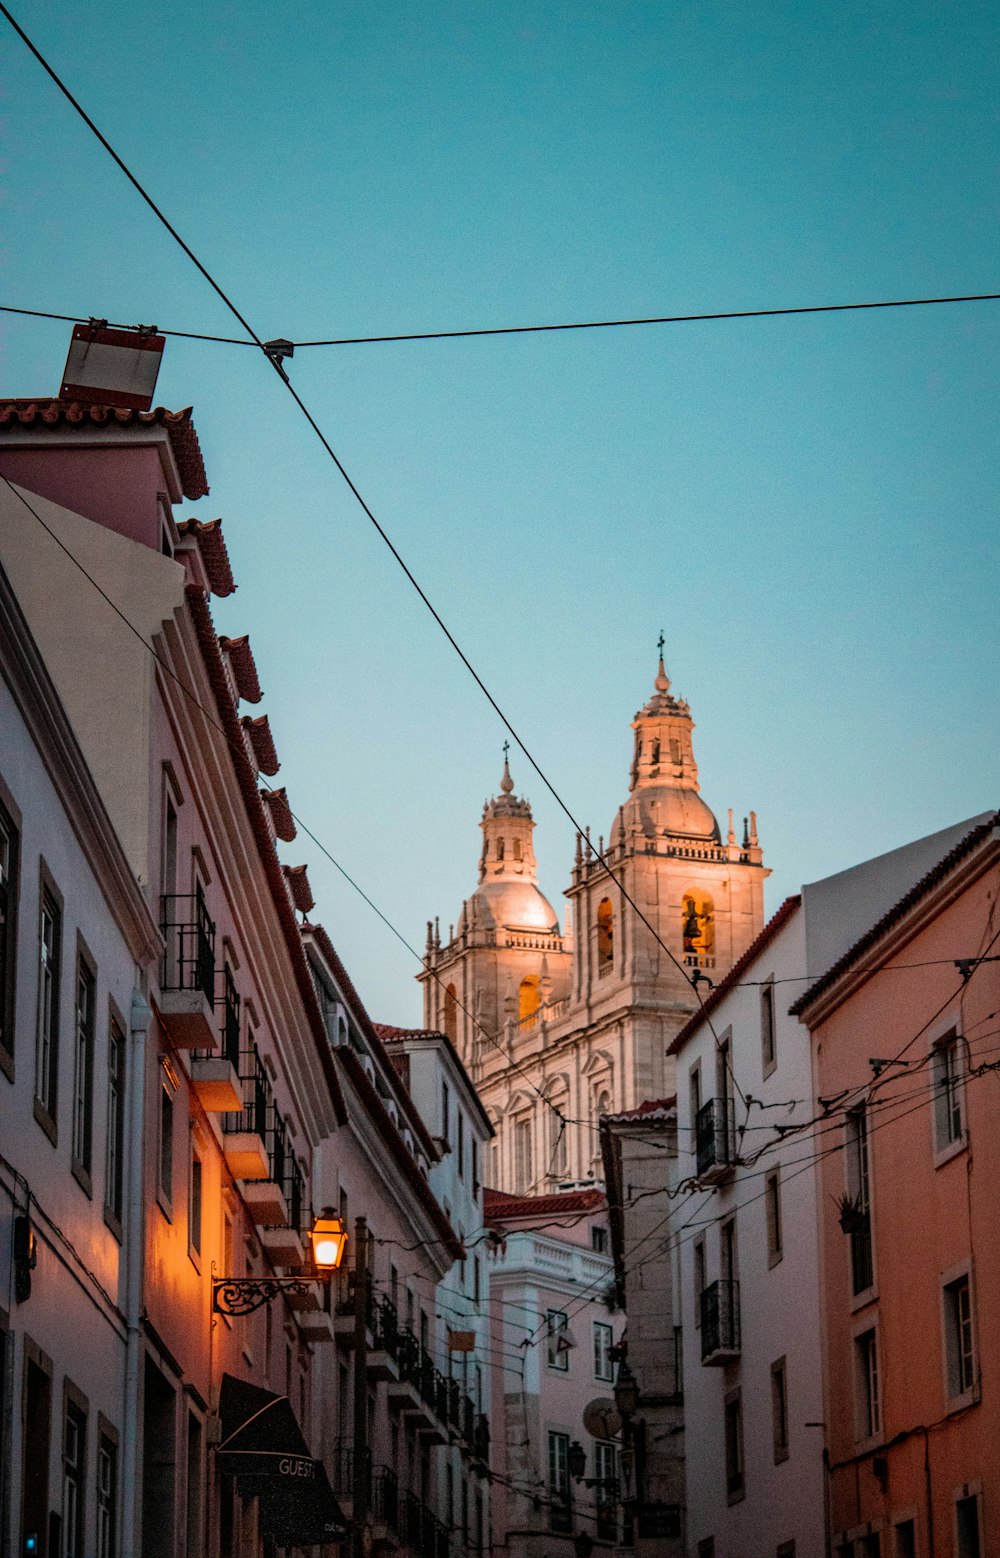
(189, 944)
(862, 1267)
(230, 1030)
(256, 1091)
(720, 1318)
(713, 1135)
(385, 1498)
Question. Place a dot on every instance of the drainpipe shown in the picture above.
(928, 1494)
(135, 1241)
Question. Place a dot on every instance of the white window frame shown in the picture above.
(948, 1114)
(960, 1353)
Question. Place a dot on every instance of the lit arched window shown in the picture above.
(450, 1014)
(605, 937)
(529, 997)
(698, 930)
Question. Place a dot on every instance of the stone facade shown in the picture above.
(582, 1020)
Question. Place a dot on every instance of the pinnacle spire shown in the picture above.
(662, 683)
(506, 783)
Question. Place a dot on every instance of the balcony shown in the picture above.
(284, 1244)
(187, 973)
(215, 1074)
(245, 1130)
(720, 1322)
(862, 1266)
(715, 1145)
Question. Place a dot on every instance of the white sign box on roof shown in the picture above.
(112, 367)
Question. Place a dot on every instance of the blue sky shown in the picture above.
(806, 506)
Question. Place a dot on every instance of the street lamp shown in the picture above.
(242, 1295)
(576, 1460)
(626, 1391)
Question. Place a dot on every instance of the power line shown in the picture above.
(549, 329)
(379, 528)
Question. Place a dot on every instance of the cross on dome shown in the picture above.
(506, 783)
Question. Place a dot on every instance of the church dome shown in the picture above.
(508, 895)
(512, 904)
(665, 809)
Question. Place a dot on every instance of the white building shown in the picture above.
(76, 940)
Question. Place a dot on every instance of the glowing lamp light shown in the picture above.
(329, 1240)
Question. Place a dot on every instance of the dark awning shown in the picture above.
(263, 1446)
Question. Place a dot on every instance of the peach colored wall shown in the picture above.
(929, 1216)
(116, 485)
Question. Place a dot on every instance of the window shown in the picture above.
(560, 1513)
(967, 1527)
(558, 1142)
(694, 1088)
(734, 1446)
(445, 1113)
(698, 931)
(599, 1240)
(74, 1463)
(866, 1370)
(603, 1336)
(529, 998)
(871, 1545)
(474, 1152)
(9, 854)
(605, 937)
(558, 1342)
(858, 1189)
(107, 1495)
(769, 1056)
(949, 1127)
(460, 1122)
(772, 1202)
(606, 1492)
(450, 1016)
(193, 1478)
(522, 1155)
(166, 1144)
(779, 1409)
(194, 1198)
(114, 1146)
(83, 1068)
(959, 1351)
(476, 1279)
(47, 1038)
(906, 1539)
(699, 1278)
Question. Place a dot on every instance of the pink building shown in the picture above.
(551, 1338)
(904, 1044)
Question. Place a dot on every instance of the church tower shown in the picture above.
(579, 1025)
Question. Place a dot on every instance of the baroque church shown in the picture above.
(581, 1017)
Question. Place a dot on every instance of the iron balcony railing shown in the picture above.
(385, 1498)
(720, 1318)
(256, 1097)
(189, 944)
(278, 1155)
(294, 1188)
(481, 1439)
(345, 1465)
(862, 1268)
(713, 1135)
(230, 1031)
(606, 1498)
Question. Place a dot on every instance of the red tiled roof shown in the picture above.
(654, 1108)
(276, 802)
(909, 900)
(498, 1206)
(298, 884)
(390, 1035)
(243, 667)
(70, 414)
(737, 971)
(262, 741)
(214, 554)
(247, 779)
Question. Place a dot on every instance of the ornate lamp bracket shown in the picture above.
(242, 1295)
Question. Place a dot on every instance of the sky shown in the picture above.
(806, 506)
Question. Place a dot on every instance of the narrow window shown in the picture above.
(460, 1120)
(779, 1409)
(517, 849)
(558, 1341)
(605, 937)
(474, 1148)
(959, 1353)
(858, 1189)
(948, 1120)
(83, 1068)
(558, 1145)
(967, 1527)
(194, 1198)
(602, 1351)
(772, 1194)
(734, 1446)
(599, 1240)
(529, 998)
(699, 1278)
(866, 1370)
(47, 1042)
(114, 1146)
(166, 1153)
(445, 1113)
(107, 1497)
(74, 1462)
(522, 1156)
(906, 1539)
(560, 1512)
(767, 1040)
(9, 855)
(606, 1493)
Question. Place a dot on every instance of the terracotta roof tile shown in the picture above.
(70, 414)
(737, 971)
(280, 812)
(498, 1206)
(214, 555)
(391, 1035)
(298, 886)
(908, 901)
(259, 731)
(653, 1109)
(243, 667)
